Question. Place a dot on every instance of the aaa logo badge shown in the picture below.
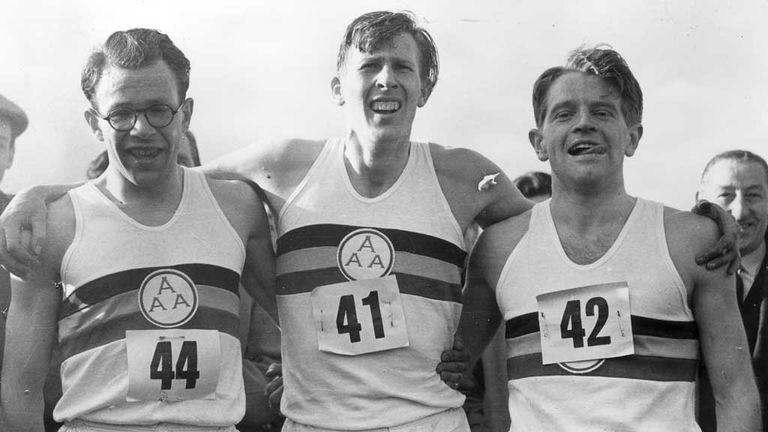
(168, 298)
(365, 253)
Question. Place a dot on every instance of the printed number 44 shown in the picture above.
(186, 365)
(346, 317)
(571, 327)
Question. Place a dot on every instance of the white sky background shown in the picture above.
(262, 70)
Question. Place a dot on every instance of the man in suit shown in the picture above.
(738, 181)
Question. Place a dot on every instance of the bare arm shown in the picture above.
(480, 317)
(259, 271)
(19, 251)
(721, 332)
(30, 335)
(725, 250)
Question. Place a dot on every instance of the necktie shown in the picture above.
(740, 288)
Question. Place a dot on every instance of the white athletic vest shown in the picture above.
(120, 276)
(651, 390)
(329, 234)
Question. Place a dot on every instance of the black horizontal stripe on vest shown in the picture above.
(306, 281)
(403, 241)
(632, 366)
(111, 285)
(113, 329)
(529, 323)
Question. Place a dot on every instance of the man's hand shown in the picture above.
(453, 364)
(726, 251)
(274, 388)
(22, 232)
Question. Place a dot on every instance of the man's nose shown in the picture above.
(386, 78)
(584, 122)
(737, 208)
(142, 126)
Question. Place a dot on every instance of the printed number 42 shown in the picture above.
(571, 327)
(186, 365)
(346, 317)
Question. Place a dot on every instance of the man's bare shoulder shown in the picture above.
(473, 183)
(263, 161)
(61, 225)
(688, 235)
(235, 196)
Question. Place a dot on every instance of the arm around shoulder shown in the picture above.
(721, 332)
(466, 175)
(32, 326)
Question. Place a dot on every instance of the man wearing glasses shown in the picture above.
(139, 273)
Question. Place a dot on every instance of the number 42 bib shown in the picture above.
(585, 323)
(359, 317)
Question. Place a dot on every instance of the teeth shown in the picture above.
(145, 153)
(385, 106)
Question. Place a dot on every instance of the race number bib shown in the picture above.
(586, 323)
(359, 317)
(172, 365)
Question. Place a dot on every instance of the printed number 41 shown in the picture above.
(346, 317)
(571, 327)
(186, 365)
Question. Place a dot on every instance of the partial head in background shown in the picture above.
(387, 67)
(13, 121)
(534, 185)
(737, 180)
(137, 83)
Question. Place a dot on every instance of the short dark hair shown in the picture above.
(534, 183)
(370, 31)
(739, 156)
(135, 49)
(603, 62)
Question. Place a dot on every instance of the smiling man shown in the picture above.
(138, 278)
(605, 311)
(738, 181)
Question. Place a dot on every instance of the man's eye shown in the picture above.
(120, 115)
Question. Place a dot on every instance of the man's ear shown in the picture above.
(635, 133)
(93, 122)
(424, 96)
(186, 109)
(336, 91)
(535, 137)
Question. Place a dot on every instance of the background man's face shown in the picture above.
(6, 150)
(742, 189)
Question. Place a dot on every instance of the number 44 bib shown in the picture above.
(172, 365)
(359, 317)
(585, 323)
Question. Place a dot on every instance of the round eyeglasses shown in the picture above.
(124, 119)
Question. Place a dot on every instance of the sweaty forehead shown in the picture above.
(401, 45)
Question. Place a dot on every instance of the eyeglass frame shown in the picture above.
(136, 116)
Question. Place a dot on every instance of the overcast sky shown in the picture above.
(262, 70)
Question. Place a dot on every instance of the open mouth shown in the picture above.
(144, 153)
(586, 148)
(384, 107)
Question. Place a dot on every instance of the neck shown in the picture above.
(374, 166)
(585, 211)
(150, 205)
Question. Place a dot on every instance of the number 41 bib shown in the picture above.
(585, 323)
(359, 317)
